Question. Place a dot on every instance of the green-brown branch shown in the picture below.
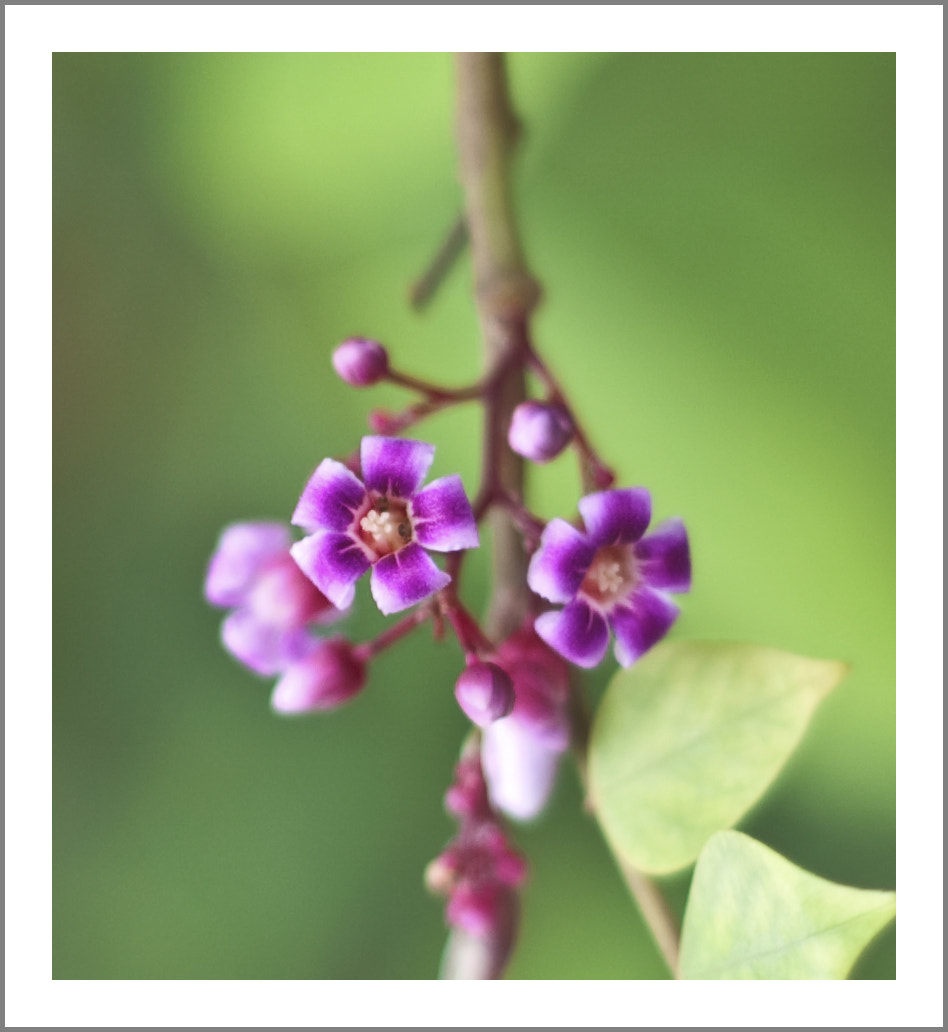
(506, 294)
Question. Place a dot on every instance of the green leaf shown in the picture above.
(753, 914)
(688, 739)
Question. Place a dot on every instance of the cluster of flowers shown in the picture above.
(478, 870)
(372, 515)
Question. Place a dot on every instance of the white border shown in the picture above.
(32, 35)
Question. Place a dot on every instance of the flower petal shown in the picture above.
(616, 517)
(283, 596)
(644, 620)
(519, 768)
(266, 649)
(330, 499)
(560, 563)
(442, 517)
(405, 577)
(578, 633)
(664, 557)
(242, 551)
(333, 562)
(394, 465)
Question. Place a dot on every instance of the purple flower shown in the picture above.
(253, 573)
(610, 576)
(539, 431)
(383, 523)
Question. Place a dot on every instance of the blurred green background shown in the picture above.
(715, 237)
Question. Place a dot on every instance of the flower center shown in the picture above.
(386, 527)
(610, 577)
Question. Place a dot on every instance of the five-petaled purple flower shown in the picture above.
(383, 523)
(610, 576)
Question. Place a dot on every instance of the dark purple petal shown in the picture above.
(560, 563)
(331, 498)
(664, 558)
(405, 577)
(394, 465)
(519, 767)
(616, 517)
(243, 550)
(266, 649)
(641, 622)
(333, 562)
(578, 633)
(442, 518)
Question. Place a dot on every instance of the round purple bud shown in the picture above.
(330, 675)
(539, 431)
(360, 362)
(485, 692)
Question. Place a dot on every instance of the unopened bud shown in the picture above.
(360, 362)
(329, 676)
(475, 910)
(384, 422)
(539, 431)
(485, 692)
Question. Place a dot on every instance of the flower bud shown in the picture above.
(520, 768)
(539, 431)
(441, 875)
(485, 692)
(477, 910)
(360, 362)
(329, 676)
(383, 422)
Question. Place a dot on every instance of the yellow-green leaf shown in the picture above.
(753, 914)
(688, 739)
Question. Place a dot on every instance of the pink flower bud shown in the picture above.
(476, 910)
(329, 676)
(539, 431)
(383, 422)
(510, 868)
(485, 692)
(360, 362)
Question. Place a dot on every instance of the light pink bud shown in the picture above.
(360, 362)
(329, 676)
(485, 692)
(539, 431)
